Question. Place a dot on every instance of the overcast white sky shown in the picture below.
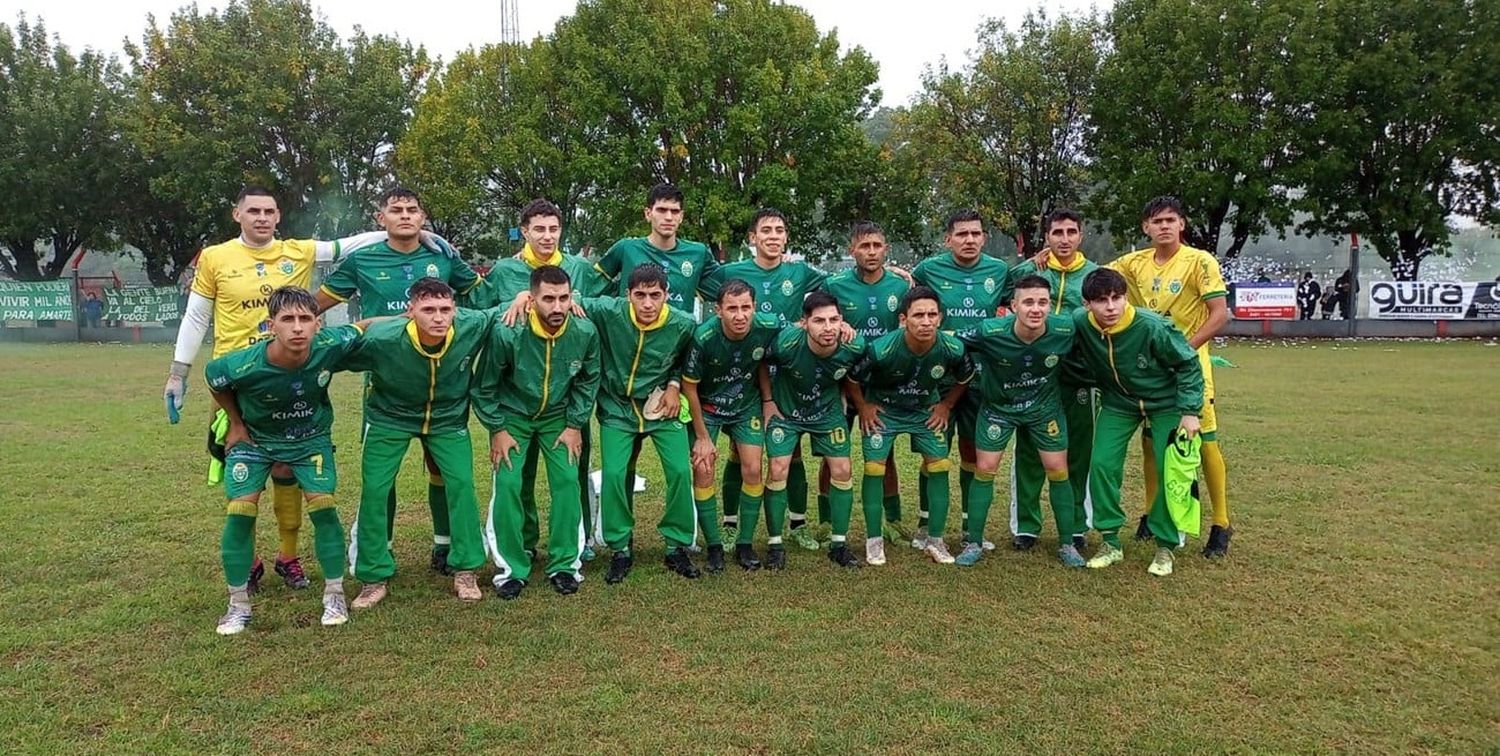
(902, 41)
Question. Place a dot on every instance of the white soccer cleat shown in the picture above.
(938, 551)
(919, 539)
(335, 610)
(1161, 566)
(875, 551)
(234, 621)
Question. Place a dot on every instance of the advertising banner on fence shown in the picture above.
(36, 300)
(1435, 300)
(141, 304)
(1265, 301)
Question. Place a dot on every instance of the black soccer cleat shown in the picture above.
(840, 555)
(776, 557)
(619, 567)
(564, 583)
(1143, 531)
(510, 589)
(678, 561)
(257, 571)
(1218, 542)
(715, 563)
(745, 556)
(440, 559)
(1023, 542)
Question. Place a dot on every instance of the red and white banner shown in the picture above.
(1265, 301)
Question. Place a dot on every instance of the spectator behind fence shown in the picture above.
(1344, 290)
(93, 310)
(1308, 295)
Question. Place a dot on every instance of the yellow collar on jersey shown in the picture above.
(1127, 318)
(539, 330)
(1053, 264)
(416, 341)
(532, 261)
(661, 318)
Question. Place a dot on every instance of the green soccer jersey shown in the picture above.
(1066, 282)
(724, 370)
(1017, 379)
(870, 308)
(512, 276)
(969, 294)
(902, 381)
(418, 389)
(636, 359)
(806, 386)
(1142, 364)
(287, 412)
(528, 373)
(381, 276)
(691, 269)
(779, 291)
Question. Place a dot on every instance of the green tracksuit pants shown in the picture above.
(1112, 434)
(531, 530)
(616, 510)
(1028, 477)
(505, 527)
(384, 448)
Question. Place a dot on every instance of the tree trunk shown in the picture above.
(63, 247)
(25, 266)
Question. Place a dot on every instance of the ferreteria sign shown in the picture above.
(1435, 300)
(36, 300)
(141, 304)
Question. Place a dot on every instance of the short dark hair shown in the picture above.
(1033, 282)
(397, 193)
(915, 294)
(1163, 203)
(735, 286)
(818, 300)
(763, 213)
(429, 288)
(663, 191)
(1061, 214)
(646, 275)
(291, 298)
(252, 190)
(539, 207)
(1103, 283)
(962, 216)
(549, 274)
(864, 228)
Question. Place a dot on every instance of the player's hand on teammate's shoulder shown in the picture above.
(517, 309)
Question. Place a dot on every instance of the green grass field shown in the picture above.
(1358, 611)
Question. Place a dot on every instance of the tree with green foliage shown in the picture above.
(1403, 130)
(60, 164)
(1005, 134)
(1194, 101)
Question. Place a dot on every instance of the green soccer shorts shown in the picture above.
(784, 436)
(246, 468)
(745, 431)
(1047, 431)
(879, 446)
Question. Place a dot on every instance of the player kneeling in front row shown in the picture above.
(897, 389)
(1147, 372)
(534, 390)
(275, 394)
(804, 397)
(1020, 358)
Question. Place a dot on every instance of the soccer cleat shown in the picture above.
(619, 567)
(291, 573)
(840, 555)
(335, 609)
(1218, 542)
(466, 586)
(510, 589)
(588, 554)
(234, 621)
(875, 551)
(678, 561)
(1023, 542)
(745, 556)
(970, 555)
(988, 545)
(369, 595)
(257, 571)
(938, 551)
(1106, 556)
(803, 537)
(440, 559)
(1080, 542)
(895, 531)
(1143, 530)
(730, 533)
(776, 557)
(1070, 556)
(1161, 566)
(919, 538)
(715, 563)
(564, 583)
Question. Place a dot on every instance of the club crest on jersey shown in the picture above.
(891, 303)
(432, 270)
(1175, 286)
(937, 371)
(876, 440)
(240, 472)
(1051, 360)
(687, 268)
(324, 377)
(787, 288)
(285, 266)
(989, 286)
(260, 270)
(1140, 361)
(993, 431)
